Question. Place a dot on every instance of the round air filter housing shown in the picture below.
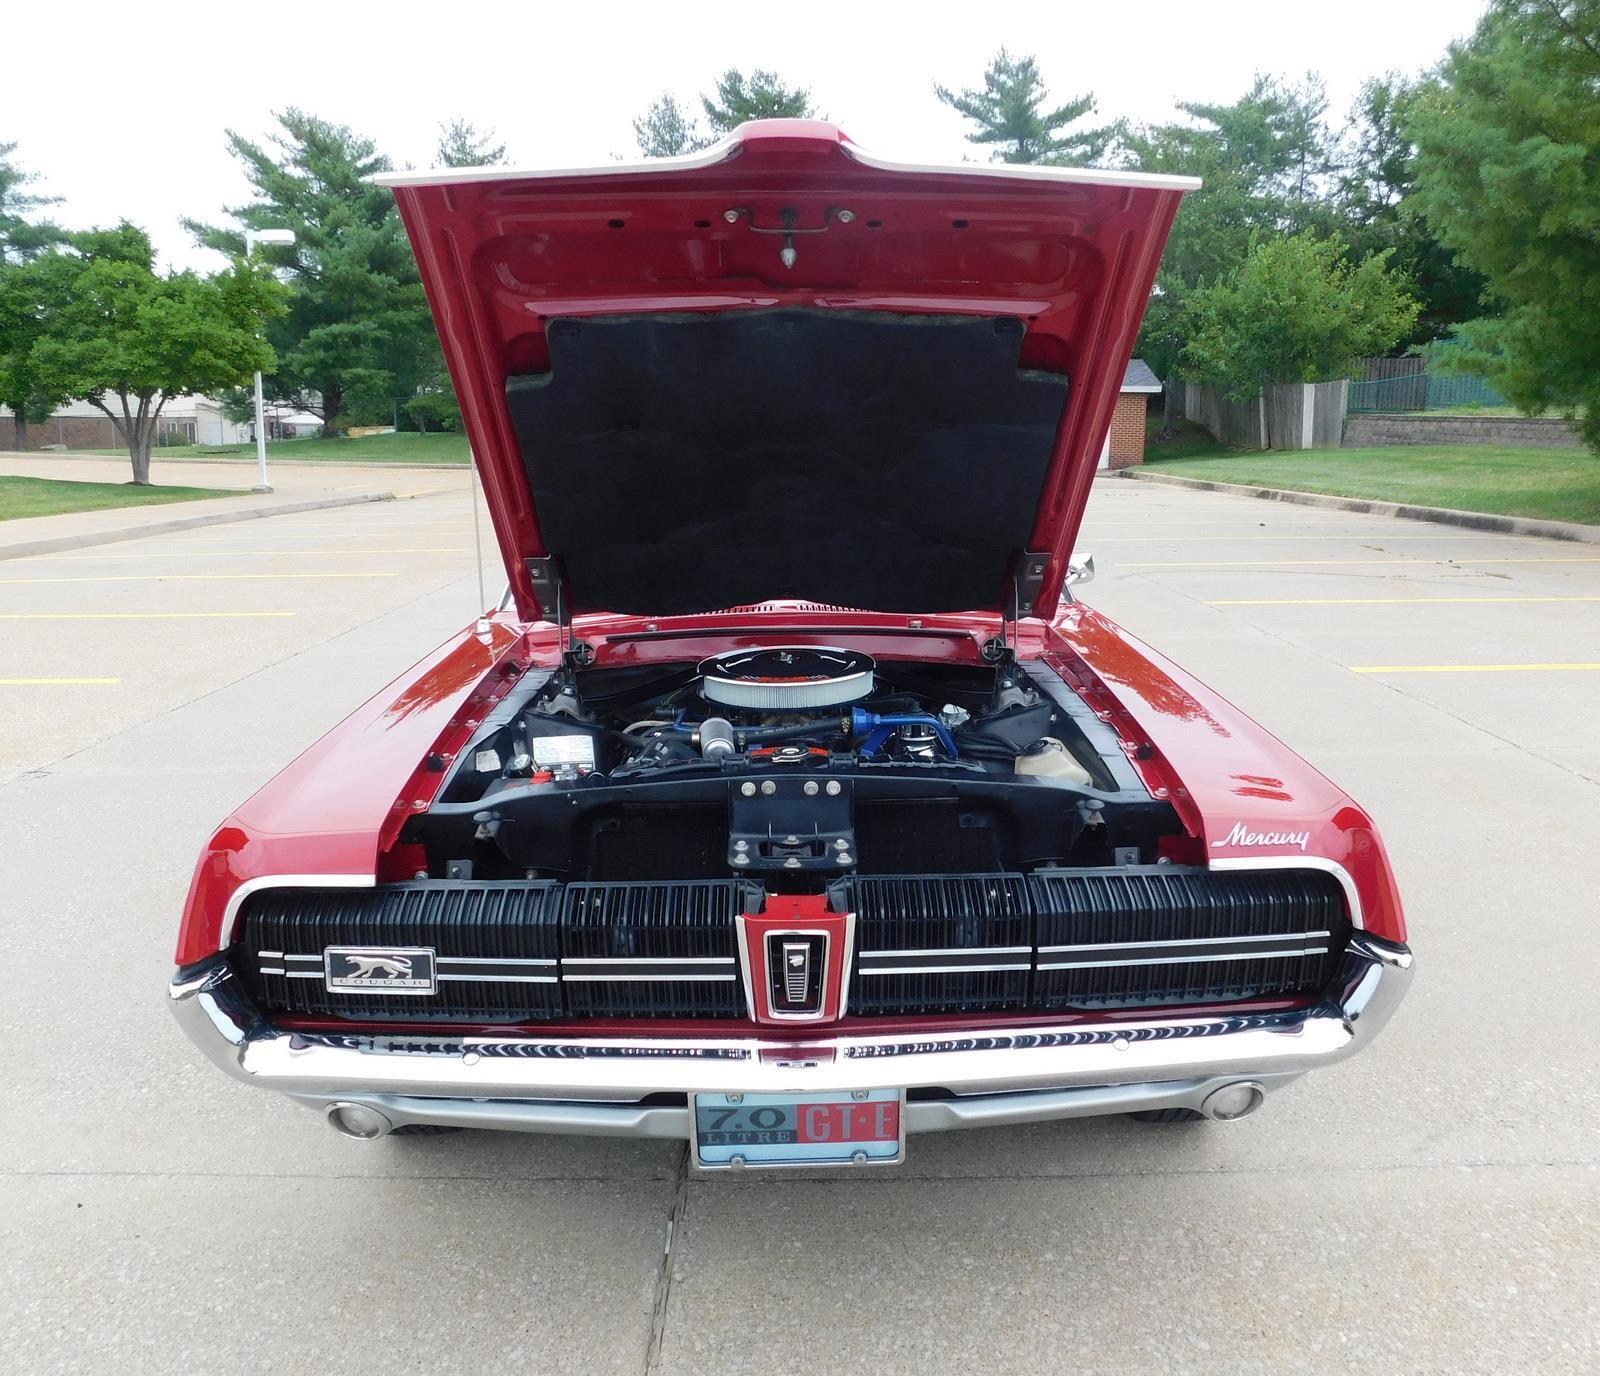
(787, 678)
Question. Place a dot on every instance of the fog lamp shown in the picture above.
(358, 1121)
(1233, 1101)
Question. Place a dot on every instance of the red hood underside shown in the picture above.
(811, 440)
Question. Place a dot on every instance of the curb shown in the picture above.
(1439, 515)
(26, 548)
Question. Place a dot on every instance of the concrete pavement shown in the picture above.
(1428, 1207)
(297, 488)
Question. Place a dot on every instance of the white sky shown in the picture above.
(122, 107)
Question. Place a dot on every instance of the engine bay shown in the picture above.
(792, 765)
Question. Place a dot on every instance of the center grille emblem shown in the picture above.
(796, 965)
(797, 970)
(795, 959)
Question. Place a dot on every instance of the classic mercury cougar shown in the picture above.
(789, 803)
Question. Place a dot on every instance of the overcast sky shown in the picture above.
(121, 108)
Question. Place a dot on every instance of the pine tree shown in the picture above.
(462, 145)
(1016, 123)
(358, 331)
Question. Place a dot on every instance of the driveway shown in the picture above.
(1431, 1206)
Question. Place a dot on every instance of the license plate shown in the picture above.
(866, 1127)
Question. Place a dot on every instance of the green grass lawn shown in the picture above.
(21, 497)
(1556, 484)
(405, 447)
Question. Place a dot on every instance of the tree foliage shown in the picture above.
(1378, 175)
(22, 235)
(1509, 177)
(1295, 310)
(1016, 122)
(462, 144)
(127, 339)
(358, 332)
(667, 130)
(738, 98)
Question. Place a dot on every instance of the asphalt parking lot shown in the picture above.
(1431, 1206)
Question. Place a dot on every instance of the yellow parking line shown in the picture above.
(134, 616)
(1233, 539)
(226, 553)
(1374, 601)
(1463, 668)
(56, 682)
(1419, 561)
(188, 577)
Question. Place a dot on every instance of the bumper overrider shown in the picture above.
(370, 1082)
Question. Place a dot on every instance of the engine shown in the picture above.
(797, 760)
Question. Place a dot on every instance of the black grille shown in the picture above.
(909, 927)
(507, 952)
(1164, 935)
(669, 949)
(475, 928)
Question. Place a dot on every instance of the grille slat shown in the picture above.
(981, 914)
(1130, 910)
(651, 926)
(479, 919)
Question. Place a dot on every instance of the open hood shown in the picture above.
(782, 368)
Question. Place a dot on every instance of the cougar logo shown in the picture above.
(1242, 836)
(367, 966)
(379, 970)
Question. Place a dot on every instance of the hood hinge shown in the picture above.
(1022, 593)
(550, 587)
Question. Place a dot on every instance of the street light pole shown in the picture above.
(262, 485)
(252, 237)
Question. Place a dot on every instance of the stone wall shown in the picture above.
(1370, 429)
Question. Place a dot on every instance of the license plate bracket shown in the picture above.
(818, 1128)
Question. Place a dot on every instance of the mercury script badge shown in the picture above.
(1239, 836)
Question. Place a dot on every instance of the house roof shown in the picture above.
(1139, 378)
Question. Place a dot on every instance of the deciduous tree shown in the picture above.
(127, 339)
(1016, 122)
(1264, 161)
(1377, 178)
(1295, 310)
(1508, 175)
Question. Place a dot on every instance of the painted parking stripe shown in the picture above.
(1419, 561)
(136, 616)
(229, 552)
(58, 682)
(190, 577)
(1467, 668)
(1376, 601)
(1371, 536)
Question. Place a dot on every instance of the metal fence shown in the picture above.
(1423, 391)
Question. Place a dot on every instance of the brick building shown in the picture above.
(78, 425)
(1124, 444)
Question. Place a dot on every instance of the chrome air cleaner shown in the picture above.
(787, 678)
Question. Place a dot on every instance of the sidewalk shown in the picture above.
(295, 489)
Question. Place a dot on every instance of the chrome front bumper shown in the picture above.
(596, 1085)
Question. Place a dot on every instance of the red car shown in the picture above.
(789, 804)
